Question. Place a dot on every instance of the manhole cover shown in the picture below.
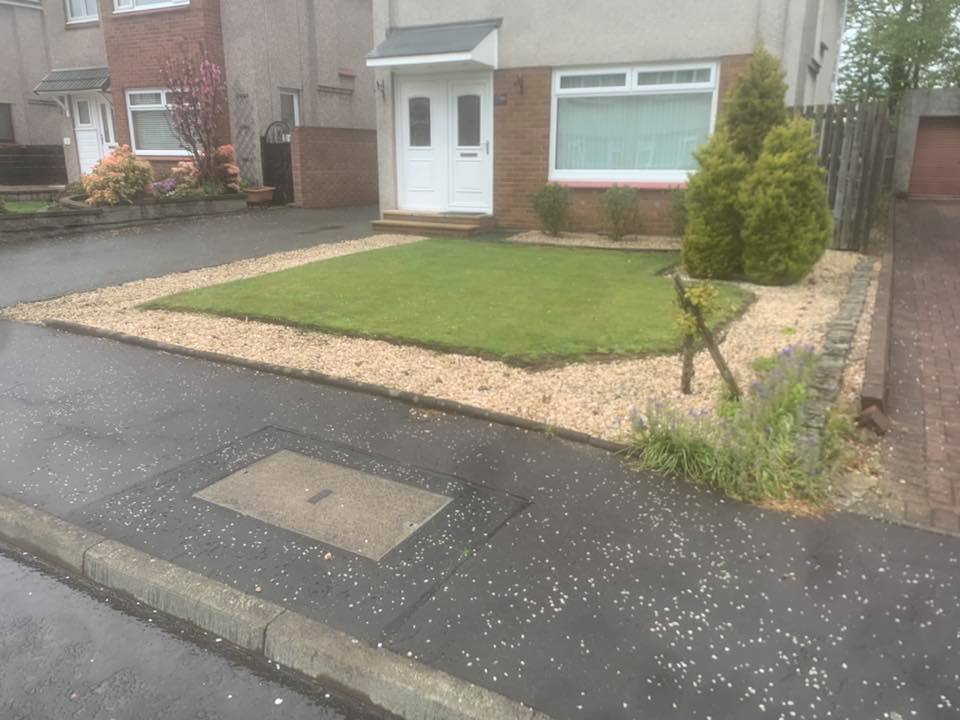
(362, 513)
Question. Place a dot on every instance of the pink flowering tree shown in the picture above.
(197, 105)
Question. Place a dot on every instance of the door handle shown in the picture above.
(487, 146)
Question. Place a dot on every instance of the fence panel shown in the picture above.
(854, 147)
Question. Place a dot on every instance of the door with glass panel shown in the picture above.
(471, 162)
(93, 127)
(422, 142)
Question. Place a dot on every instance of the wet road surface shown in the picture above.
(71, 652)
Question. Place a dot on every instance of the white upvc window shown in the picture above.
(131, 5)
(150, 129)
(80, 11)
(631, 124)
(290, 107)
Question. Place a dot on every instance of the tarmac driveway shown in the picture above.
(556, 575)
(37, 269)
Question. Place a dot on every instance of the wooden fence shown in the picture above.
(32, 165)
(857, 144)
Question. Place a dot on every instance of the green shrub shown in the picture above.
(620, 205)
(552, 205)
(754, 450)
(755, 105)
(678, 206)
(712, 245)
(787, 223)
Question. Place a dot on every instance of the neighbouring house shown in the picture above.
(482, 103)
(34, 37)
(296, 61)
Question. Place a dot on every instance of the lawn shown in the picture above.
(26, 207)
(526, 305)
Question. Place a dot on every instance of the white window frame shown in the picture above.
(133, 135)
(296, 104)
(71, 20)
(632, 88)
(125, 6)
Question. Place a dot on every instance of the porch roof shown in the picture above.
(471, 43)
(70, 80)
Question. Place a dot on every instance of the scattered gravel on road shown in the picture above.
(595, 398)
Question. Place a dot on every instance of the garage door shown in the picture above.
(936, 162)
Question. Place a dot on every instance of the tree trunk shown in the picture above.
(731, 382)
(686, 378)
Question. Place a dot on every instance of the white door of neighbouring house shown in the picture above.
(444, 135)
(93, 126)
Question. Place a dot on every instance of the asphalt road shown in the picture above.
(69, 651)
(38, 269)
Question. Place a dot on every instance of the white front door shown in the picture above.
(444, 153)
(93, 126)
(471, 174)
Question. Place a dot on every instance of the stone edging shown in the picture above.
(427, 402)
(873, 394)
(828, 369)
(406, 688)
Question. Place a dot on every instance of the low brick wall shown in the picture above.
(75, 217)
(334, 167)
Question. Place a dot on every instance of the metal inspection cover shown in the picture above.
(362, 513)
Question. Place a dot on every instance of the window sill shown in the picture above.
(606, 184)
(79, 24)
(150, 10)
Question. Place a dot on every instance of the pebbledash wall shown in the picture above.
(537, 37)
(139, 44)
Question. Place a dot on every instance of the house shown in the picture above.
(35, 36)
(482, 103)
(296, 61)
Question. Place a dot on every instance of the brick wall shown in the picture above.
(334, 167)
(139, 44)
(522, 154)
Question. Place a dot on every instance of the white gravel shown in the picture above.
(595, 398)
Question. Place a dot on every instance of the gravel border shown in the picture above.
(592, 398)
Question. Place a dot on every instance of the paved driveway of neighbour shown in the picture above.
(556, 575)
(38, 269)
(924, 399)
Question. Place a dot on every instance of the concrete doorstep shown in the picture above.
(403, 687)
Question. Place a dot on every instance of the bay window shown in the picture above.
(150, 129)
(631, 124)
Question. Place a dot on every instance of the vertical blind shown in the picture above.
(632, 132)
(152, 130)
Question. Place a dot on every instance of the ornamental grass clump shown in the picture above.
(120, 178)
(754, 450)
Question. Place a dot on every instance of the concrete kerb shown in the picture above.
(403, 687)
(422, 401)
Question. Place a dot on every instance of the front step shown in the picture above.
(447, 229)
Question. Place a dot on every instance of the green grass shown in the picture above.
(522, 304)
(26, 207)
